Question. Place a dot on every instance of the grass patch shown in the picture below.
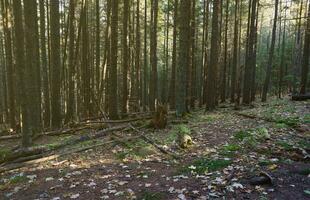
(229, 150)
(241, 135)
(203, 166)
(281, 125)
(306, 119)
(290, 121)
(285, 145)
(304, 144)
(19, 178)
(149, 195)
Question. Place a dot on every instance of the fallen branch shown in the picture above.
(146, 139)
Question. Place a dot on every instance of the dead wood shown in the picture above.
(148, 140)
(36, 159)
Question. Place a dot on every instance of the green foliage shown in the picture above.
(231, 147)
(306, 119)
(204, 165)
(241, 135)
(281, 125)
(149, 195)
(290, 121)
(251, 137)
(261, 133)
(181, 129)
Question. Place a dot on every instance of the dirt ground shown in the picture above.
(228, 153)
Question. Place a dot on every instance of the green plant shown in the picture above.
(241, 135)
(203, 165)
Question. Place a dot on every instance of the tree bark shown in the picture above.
(271, 52)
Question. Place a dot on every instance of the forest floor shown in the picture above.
(234, 156)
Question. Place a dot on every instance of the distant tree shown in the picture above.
(153, 54)
(7, 29)
(271, 52)
(125, 56)
(235, 55)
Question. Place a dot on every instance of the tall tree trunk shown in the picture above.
(145, 68)
(183, 56)
(85, 67)
(137, 55)
(55, 63)
(153, 54)
(235, 54)
(282, 63)
(45, 76)
(20, 66)
(71, 66)
(271, 52)
(125, 56)
(174, 57)
(113, 103)
(305, 63)
(250, 55)
(224, 73)
(214, 56)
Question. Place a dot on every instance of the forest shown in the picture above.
(149, 99)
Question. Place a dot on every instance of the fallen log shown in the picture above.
(32, 160)
(300, 97)
(9, 137)
(43, 149)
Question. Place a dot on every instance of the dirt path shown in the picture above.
(228, 151)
